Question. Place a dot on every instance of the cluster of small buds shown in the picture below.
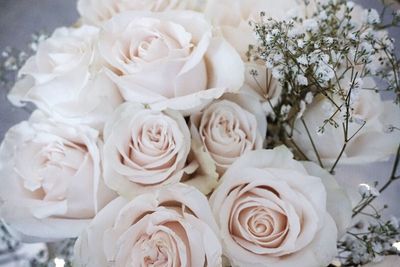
(366, 190)
(370, 241)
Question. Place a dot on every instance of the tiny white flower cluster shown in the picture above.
(332, 53)
(370, 241)
(366, 190)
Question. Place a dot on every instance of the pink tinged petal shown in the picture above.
(228, 75)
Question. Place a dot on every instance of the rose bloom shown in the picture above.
(144, 149)
(375, 141)
(232, 18)
(228, 128)
(172, 226)
(64, 79)
(169, 59)
(275, 211)
(51, 179)
(96, 12)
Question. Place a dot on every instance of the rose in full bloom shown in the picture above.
(64, 79)
(169, 59)
(172, 226)
(275, 211)
(51, 178)
(96, 12)
(228, 128)
(376, 140)
(144, 149)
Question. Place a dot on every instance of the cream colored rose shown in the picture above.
(375, 141)
(169, 59)
(51, 179)
(273, 211)
(64, 79)
(172, 226)
(232, 18)
(144, 149)
(96, 12)
(228, 128)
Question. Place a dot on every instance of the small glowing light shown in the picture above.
(59, 262)
(397, 246)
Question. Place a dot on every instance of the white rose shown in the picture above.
(373, 142)
(232, 18)
(144, 149)
(96, 12)
(64, 79)
(169, 59)
(51, 178)
(273, 211)
(229, 128)
(172, 226)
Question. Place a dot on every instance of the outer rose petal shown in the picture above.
(371, 143)
(101, 242)
(73, 200)
(118, 175)
(279, 163)
(185, 83)
(338, 203)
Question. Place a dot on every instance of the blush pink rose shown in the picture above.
(273, 211)
(228, 128)
(169, 60)
(144, 149)
(172, 226)
(51, 179)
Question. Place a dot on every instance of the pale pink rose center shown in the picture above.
(153, 150)
(257, 222)
(227, 132)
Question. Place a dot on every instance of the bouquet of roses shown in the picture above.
(206, 133)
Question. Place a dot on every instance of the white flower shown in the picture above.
(51, 179)
(169, 59)
(65, 80)
(302, 80)
(309, 97)
(310, 25)
(172, 226)
(397, 246)
(262, 86)
(372, 16)
(370, 144)
(97, 12)
(274, 211)
(364, 190)
(144, 149)
(229, 128)
(232, 17)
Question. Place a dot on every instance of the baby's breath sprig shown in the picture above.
(369, 241)
(12, 59)
(328, 54)
(372, 237)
